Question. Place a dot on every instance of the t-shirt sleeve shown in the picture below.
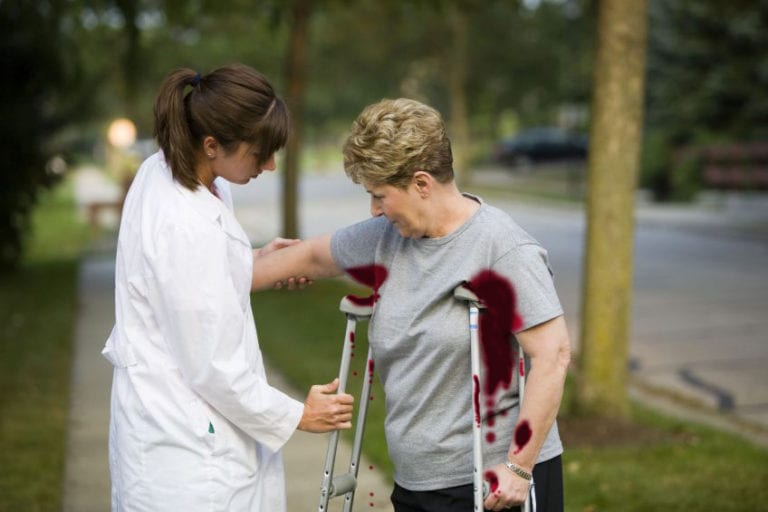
(528, 269)
(355, 245)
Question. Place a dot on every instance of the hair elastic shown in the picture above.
(196, 80)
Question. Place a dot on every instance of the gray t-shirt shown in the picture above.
(419, 335)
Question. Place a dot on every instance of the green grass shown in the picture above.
(37, 311)
(684, 466)
(658, 464)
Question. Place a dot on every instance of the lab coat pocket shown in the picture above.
(203, 424)
(117, 352)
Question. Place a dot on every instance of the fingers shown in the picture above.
(294, 283)
(509, 491)
(281, 243)
(276, 244)
(328, 388)
(325, 410)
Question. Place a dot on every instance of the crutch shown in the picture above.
(481, 489)
(346, 483)
(463, 293)
(521, 371)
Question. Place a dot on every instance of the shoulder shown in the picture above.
(373, 227)
(500, 229)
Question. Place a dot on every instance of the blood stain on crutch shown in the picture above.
(498, 321)
(476, 397)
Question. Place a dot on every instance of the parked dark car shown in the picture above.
(541, 145)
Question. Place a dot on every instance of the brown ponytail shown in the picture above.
(233, 104)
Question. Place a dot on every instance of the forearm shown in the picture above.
(543, 394)
(310, 258)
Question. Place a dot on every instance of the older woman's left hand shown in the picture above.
(508, 490)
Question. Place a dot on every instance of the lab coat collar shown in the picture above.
(214, 210)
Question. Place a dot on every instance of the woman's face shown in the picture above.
(241, 165)
(400, 206)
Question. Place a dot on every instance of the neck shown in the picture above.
(204, 173)
(451, 210)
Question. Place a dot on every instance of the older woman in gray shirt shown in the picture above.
(425, 238)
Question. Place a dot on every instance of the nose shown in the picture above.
(376, 210)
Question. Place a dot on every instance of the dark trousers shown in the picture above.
(547, 475)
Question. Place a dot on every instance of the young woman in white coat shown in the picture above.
(195, 426)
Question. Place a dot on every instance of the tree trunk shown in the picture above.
(130, 59)
(615, 141)
(457, 79)
(296, 77)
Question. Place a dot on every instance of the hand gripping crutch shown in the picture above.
(481, 489)
(346, 483)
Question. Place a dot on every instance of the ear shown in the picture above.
(210, 147)
(423, 181)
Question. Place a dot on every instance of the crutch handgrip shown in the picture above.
(342, 484)
(358, 308)
(462, 292)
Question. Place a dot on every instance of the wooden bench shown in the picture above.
(94, 209)
(734, 166)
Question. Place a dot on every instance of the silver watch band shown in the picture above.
(518, 471)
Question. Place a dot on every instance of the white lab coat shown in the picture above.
(194, 424)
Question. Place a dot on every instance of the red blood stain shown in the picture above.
(352, 337)
(370, 494)
(362, 301)
(371, 504)
(523, 434)
(370, 467)
(522, 367)
(354, 374)
(476, 397)
(492, 479)
(498, 321)
(372, 276)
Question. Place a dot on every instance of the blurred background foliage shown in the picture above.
(492, 67)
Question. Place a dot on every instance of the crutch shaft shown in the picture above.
(521, 371)
(477, 434)
(326, 487)
(362, 416)
(346, 483)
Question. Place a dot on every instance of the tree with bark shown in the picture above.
(615, 141)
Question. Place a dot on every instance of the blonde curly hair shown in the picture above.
(392, 139)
